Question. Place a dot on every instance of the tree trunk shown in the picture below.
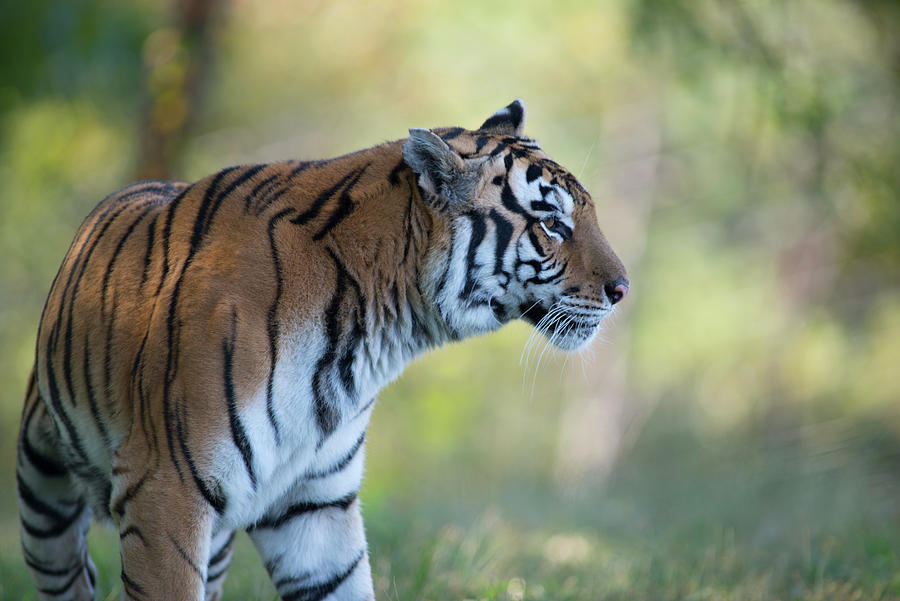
(177, 60)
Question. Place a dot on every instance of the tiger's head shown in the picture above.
(523, 239)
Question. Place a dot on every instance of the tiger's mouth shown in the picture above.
(571, 326)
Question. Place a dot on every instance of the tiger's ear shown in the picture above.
(440, 169)
(509, 121)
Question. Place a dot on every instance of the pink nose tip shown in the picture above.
(617, 290)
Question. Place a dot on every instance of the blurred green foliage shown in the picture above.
(744, 157)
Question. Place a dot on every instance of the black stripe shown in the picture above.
(137, 379)
(549, 279)
(511, 203)
(115, 255)
(118, 506)
(211, 201)
(408, 219)
(298, 509)
(304, 576)
(31, 402)
(168, 418)
(151, 234)
(223, 552)
(504, 231)
(238, 434)
(216, 575)
(41, 323)
(36, 564)
(80, 266)
(340, 465)
(536, 244)
(477, 237)
(256, 190)
(53, 337)
(43, 464)
(345, 362)
(32, 387)
(272, 194)
(363, 409)
(164, 189)
(56, 402)
(107, 359)
(394, 305)
(269, 195)
(533, 172)
(540, 205)
(327, 416)
(212, 495)
(36, 505)
(442, 283)
(53, 531)
(272, 328)
(320, 591)
(133, 531)
(128, 583)
(70, 304)
(394, 175)
(167, 232)
(320, 201)
(186, 557)
(92, 576)
(344, 208)
(352, 339)
(452, 133)
(54, 334)
(203, 218)
(102, 482)
(304, 165)
(92, 395)
(59, 590)
(249, 173)
(112, 260)
(536, 265)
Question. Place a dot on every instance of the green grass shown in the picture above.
(759, 516)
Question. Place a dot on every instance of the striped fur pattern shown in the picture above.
(209, 353)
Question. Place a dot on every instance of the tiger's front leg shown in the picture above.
(313, 542)
(317, 551)
(165, 535)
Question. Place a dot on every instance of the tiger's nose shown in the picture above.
(616, 290)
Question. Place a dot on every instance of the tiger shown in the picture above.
(209, 354)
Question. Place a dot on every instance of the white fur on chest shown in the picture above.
(301, 459)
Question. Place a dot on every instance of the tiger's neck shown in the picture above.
(385, 250)
(404, 320)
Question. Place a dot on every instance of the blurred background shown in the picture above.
(735, 433)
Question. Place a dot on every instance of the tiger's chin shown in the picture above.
(566, 330)
(575, 339)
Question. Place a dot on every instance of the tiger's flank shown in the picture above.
(210, 353)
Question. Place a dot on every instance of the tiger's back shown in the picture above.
(209, 354)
